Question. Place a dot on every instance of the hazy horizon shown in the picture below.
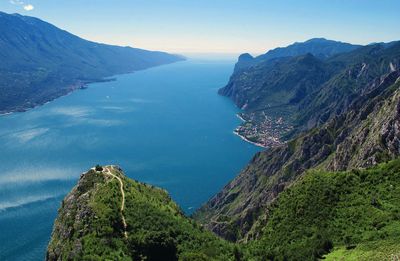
(216, 27)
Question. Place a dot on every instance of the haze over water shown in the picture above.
(165, 126)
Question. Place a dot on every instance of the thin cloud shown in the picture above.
(28, 7)
(16, 2)
(25, 6)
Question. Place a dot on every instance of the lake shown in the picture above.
(165, 126)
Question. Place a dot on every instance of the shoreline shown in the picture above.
(25, 109)
(267, 145)
(249, 141)
(69, 90)
(6, 113)
(80, 85)
(244, 138)
(240, 117)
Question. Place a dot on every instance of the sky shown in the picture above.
(217, 26)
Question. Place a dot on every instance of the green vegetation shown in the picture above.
(355, 213)
(89, 225)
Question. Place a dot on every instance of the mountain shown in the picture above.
(319, 47)
(365, 134)
(282, 97)
(91, 225)
(40, 62)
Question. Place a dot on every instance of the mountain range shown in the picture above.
(283, 96)
(319, 47)
(40, 62)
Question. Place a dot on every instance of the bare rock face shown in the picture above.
(74, 217)
(371, 132)
(366, 134)
(391, 132)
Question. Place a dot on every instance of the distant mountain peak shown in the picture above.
(319, 47)
(319, 40)
(245, 57)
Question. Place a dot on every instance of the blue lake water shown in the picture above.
(165, 126)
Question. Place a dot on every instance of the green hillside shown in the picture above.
(353, 214)
(90, 227)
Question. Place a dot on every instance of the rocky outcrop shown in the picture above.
(74, 218)
(372, 133)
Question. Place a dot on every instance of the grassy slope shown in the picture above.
(355, 214)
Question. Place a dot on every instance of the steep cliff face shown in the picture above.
(108, 216)
(372, 133)
(276, 82)
(364, 135)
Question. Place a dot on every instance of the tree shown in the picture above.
(99, 168)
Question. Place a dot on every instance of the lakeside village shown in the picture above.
(261, 129)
